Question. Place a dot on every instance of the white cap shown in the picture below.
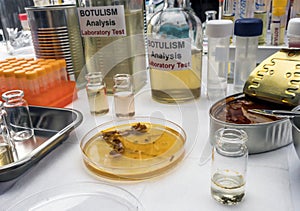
(219, 28)
(293, 28)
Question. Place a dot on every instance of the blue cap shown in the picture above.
(248, 27)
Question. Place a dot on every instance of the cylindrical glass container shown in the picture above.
(261, 11)
(18, 116)
(123, 95)
(175, 53)
(218, 33)
(96, 92)
(114, 39)
(247, 31)
(229, 166)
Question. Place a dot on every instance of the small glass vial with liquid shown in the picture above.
(19, 121)
(123, 95)
(229, 166)
(96, 92)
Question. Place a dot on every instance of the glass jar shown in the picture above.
(18, 116)
(114, 39)
(175, 53)
(96, 92)
(229, 166)
(123, 95)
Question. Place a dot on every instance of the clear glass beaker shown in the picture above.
(18, 116)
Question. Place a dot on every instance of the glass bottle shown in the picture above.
(261, 10)
(229, 166)
(18, 116)
(124, 95)
(96, 92)
(114, 39)
(175, 53)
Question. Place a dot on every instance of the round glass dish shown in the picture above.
(133, 149)
(80, 196)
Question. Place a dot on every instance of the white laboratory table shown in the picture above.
(273, 178)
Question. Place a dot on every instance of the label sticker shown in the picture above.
(169, 54)
(104, 21)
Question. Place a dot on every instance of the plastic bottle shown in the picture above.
(247, 31)
(218, 33)
(175, 53)
(293, 33)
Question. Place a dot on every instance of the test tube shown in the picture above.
(247, 31)
(245, 9)
(42, 79)
(296, 9)
(32, 83)
(9, 78)
(20, 78)
(218, 33)
(293, 33)
(278, 21)
(261, 11)
(229, 9)
(63, 69)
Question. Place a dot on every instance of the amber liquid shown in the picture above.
(97, 100)
(263, 17)
(177, 85)
(116, 55)
(145, 154)
(6, 155)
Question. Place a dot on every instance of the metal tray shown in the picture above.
(52, 126)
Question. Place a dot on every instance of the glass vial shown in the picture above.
(218, 33)
(261, 11)
(175, 53)
(247, 31)
(229, 166)
(123, 95)
(18, 116)
(7, 147)
(96, 92)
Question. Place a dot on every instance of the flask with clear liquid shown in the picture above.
(114, 39)
(175, 53)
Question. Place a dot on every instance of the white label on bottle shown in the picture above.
(169, 54)
(104, 21)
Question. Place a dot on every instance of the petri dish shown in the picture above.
(133, 149)
(79, 196)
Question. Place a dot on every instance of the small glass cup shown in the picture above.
(18, 116)
(229, 166)
(123, 95)
(96, 92)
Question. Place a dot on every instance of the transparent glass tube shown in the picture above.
(229, 166)
(123, 95)
(261, 11)
(18, 116)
